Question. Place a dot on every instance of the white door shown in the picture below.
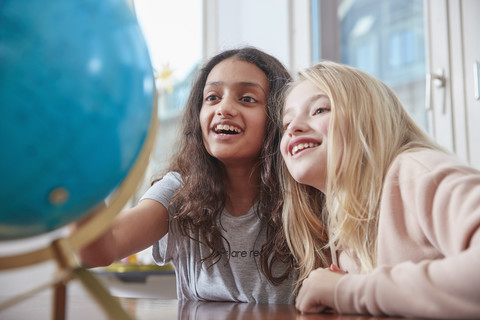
(453, 49)
(470, 10)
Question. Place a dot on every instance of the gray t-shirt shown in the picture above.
(238, 279)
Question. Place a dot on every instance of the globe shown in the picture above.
(76, 100)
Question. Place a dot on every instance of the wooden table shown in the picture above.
(81, 307)
(149, 309)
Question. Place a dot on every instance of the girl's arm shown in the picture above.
(132, 231)
(428, 244)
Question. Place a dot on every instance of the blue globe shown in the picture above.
(76, 99)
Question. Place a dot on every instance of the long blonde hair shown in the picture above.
(368, 128)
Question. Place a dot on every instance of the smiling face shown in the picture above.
(304, 144)
(233, 113)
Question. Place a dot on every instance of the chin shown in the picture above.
(301, 177)
(307, 178)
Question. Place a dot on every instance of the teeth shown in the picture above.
(302, 146)
(226, 127)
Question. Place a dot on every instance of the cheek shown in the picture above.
(324, 124)
(204, 121)
(259, 122)
(283, 147)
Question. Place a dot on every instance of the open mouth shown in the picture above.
(226, 129)
(302, 146)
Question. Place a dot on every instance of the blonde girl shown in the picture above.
(401, 215)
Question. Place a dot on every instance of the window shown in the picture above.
(384, 38)
(173, 32)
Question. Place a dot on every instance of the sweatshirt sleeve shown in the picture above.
(434, 200)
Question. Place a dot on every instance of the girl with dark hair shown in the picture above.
(216, 213)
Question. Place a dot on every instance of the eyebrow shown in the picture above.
(241, 83)
(316, 96)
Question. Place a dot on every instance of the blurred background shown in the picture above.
(405, 43)
(426, 50)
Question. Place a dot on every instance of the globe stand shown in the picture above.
(68, 269)
(62, 249)
(71, 270)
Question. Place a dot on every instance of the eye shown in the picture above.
(211, 97)
(248, 99)
(320, 110)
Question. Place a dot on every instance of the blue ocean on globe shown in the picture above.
(76, 99)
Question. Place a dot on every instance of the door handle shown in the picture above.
(438, 80)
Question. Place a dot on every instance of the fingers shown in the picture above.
(308, 301)
(310, 308)
(317, 290)
(334, 268)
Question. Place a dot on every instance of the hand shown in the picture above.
(317, 291)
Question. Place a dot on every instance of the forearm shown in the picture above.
(100, 252)
(132, 231)
(443, 288)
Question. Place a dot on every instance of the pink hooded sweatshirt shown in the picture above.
(428, 243)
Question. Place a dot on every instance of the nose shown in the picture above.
(296, 126)
(226, 107)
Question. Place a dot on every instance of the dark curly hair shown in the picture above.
(201, 198)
